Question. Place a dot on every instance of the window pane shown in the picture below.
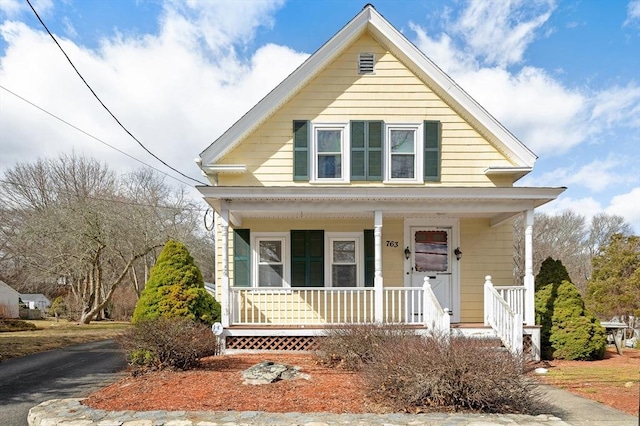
(402, 141)
(344, 275)
(270, 251)
(431, 251)
(329, 166)
(402, 166)
(329, 140)
(344, 251)
(270, 275)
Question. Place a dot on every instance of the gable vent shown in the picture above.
(365, 63)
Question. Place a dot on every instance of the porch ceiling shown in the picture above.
(499, 204)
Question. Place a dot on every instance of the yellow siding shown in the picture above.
(487, 251)
(338, 94)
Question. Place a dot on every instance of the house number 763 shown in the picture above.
(392, 243)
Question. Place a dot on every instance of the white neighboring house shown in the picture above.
(36, 301)
(8, 301)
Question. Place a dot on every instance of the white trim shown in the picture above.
(256, 237)
(418, 161)
(329, 237)
(370, 20)
(225, 168)
(345, 154)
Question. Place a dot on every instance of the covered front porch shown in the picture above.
(407, 286)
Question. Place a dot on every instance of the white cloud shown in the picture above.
(550, 117)
(628, 206)
(14, 8)
(511, 25)
(633, 12)
(597, 176)
(587, 206)
(167, 89)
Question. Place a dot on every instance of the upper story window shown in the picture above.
(404, 153)
(367, 151)
(328, 149)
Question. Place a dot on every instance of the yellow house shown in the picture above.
(369, 187)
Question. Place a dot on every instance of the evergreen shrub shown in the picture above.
(176, 289)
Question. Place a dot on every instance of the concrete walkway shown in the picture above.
(566, 409)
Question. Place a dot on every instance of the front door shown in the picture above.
(431, 257)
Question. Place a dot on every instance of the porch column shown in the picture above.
(377, 280)
(529, 283)
(224, 223)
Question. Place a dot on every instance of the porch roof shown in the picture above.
(498, 204)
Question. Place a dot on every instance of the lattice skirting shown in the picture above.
(271, 343)
(527, 344)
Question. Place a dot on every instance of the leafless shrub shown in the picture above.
(352, 346)
(167, 343)
(449, 373)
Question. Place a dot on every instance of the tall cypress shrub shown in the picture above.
(176, 289)
(552, 273)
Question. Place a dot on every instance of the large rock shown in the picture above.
(268, 372)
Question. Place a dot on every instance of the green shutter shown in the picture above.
(241, 258)
(375, 137)
(358, 151)
(432, 148)
(307, 258)
(369, 258)
(366, 150)
(301, 150)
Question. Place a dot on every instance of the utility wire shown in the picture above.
(102, 103)
(91, 136)
(110, 200)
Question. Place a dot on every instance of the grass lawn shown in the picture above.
(614, 381)
(52, 335)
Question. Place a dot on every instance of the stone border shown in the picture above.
(71, 412)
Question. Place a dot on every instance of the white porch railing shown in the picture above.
(435, 318)
(301, 306)
(514, 296)
(403, 305)
(499, 315)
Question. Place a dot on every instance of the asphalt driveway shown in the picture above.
(71, 372)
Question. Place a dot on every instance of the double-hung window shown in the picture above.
(345, 259)
(404, 153)
(270, 260)
(329, 160)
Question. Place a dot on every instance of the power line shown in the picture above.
(110, 200)
(102, 103)
(90, 135)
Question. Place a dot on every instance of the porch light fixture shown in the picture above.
(458, 253)
(407, 253)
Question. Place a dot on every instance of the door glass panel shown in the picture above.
(431, 251)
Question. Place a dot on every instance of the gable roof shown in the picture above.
(7, 288)
(369, 20)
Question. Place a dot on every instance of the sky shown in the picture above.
(562, 76)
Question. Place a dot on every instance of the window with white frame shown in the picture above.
(270, 260)
(404, 153)
(329, 150)
(344, 260)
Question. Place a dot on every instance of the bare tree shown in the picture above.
(567, 237)
(75, 222)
